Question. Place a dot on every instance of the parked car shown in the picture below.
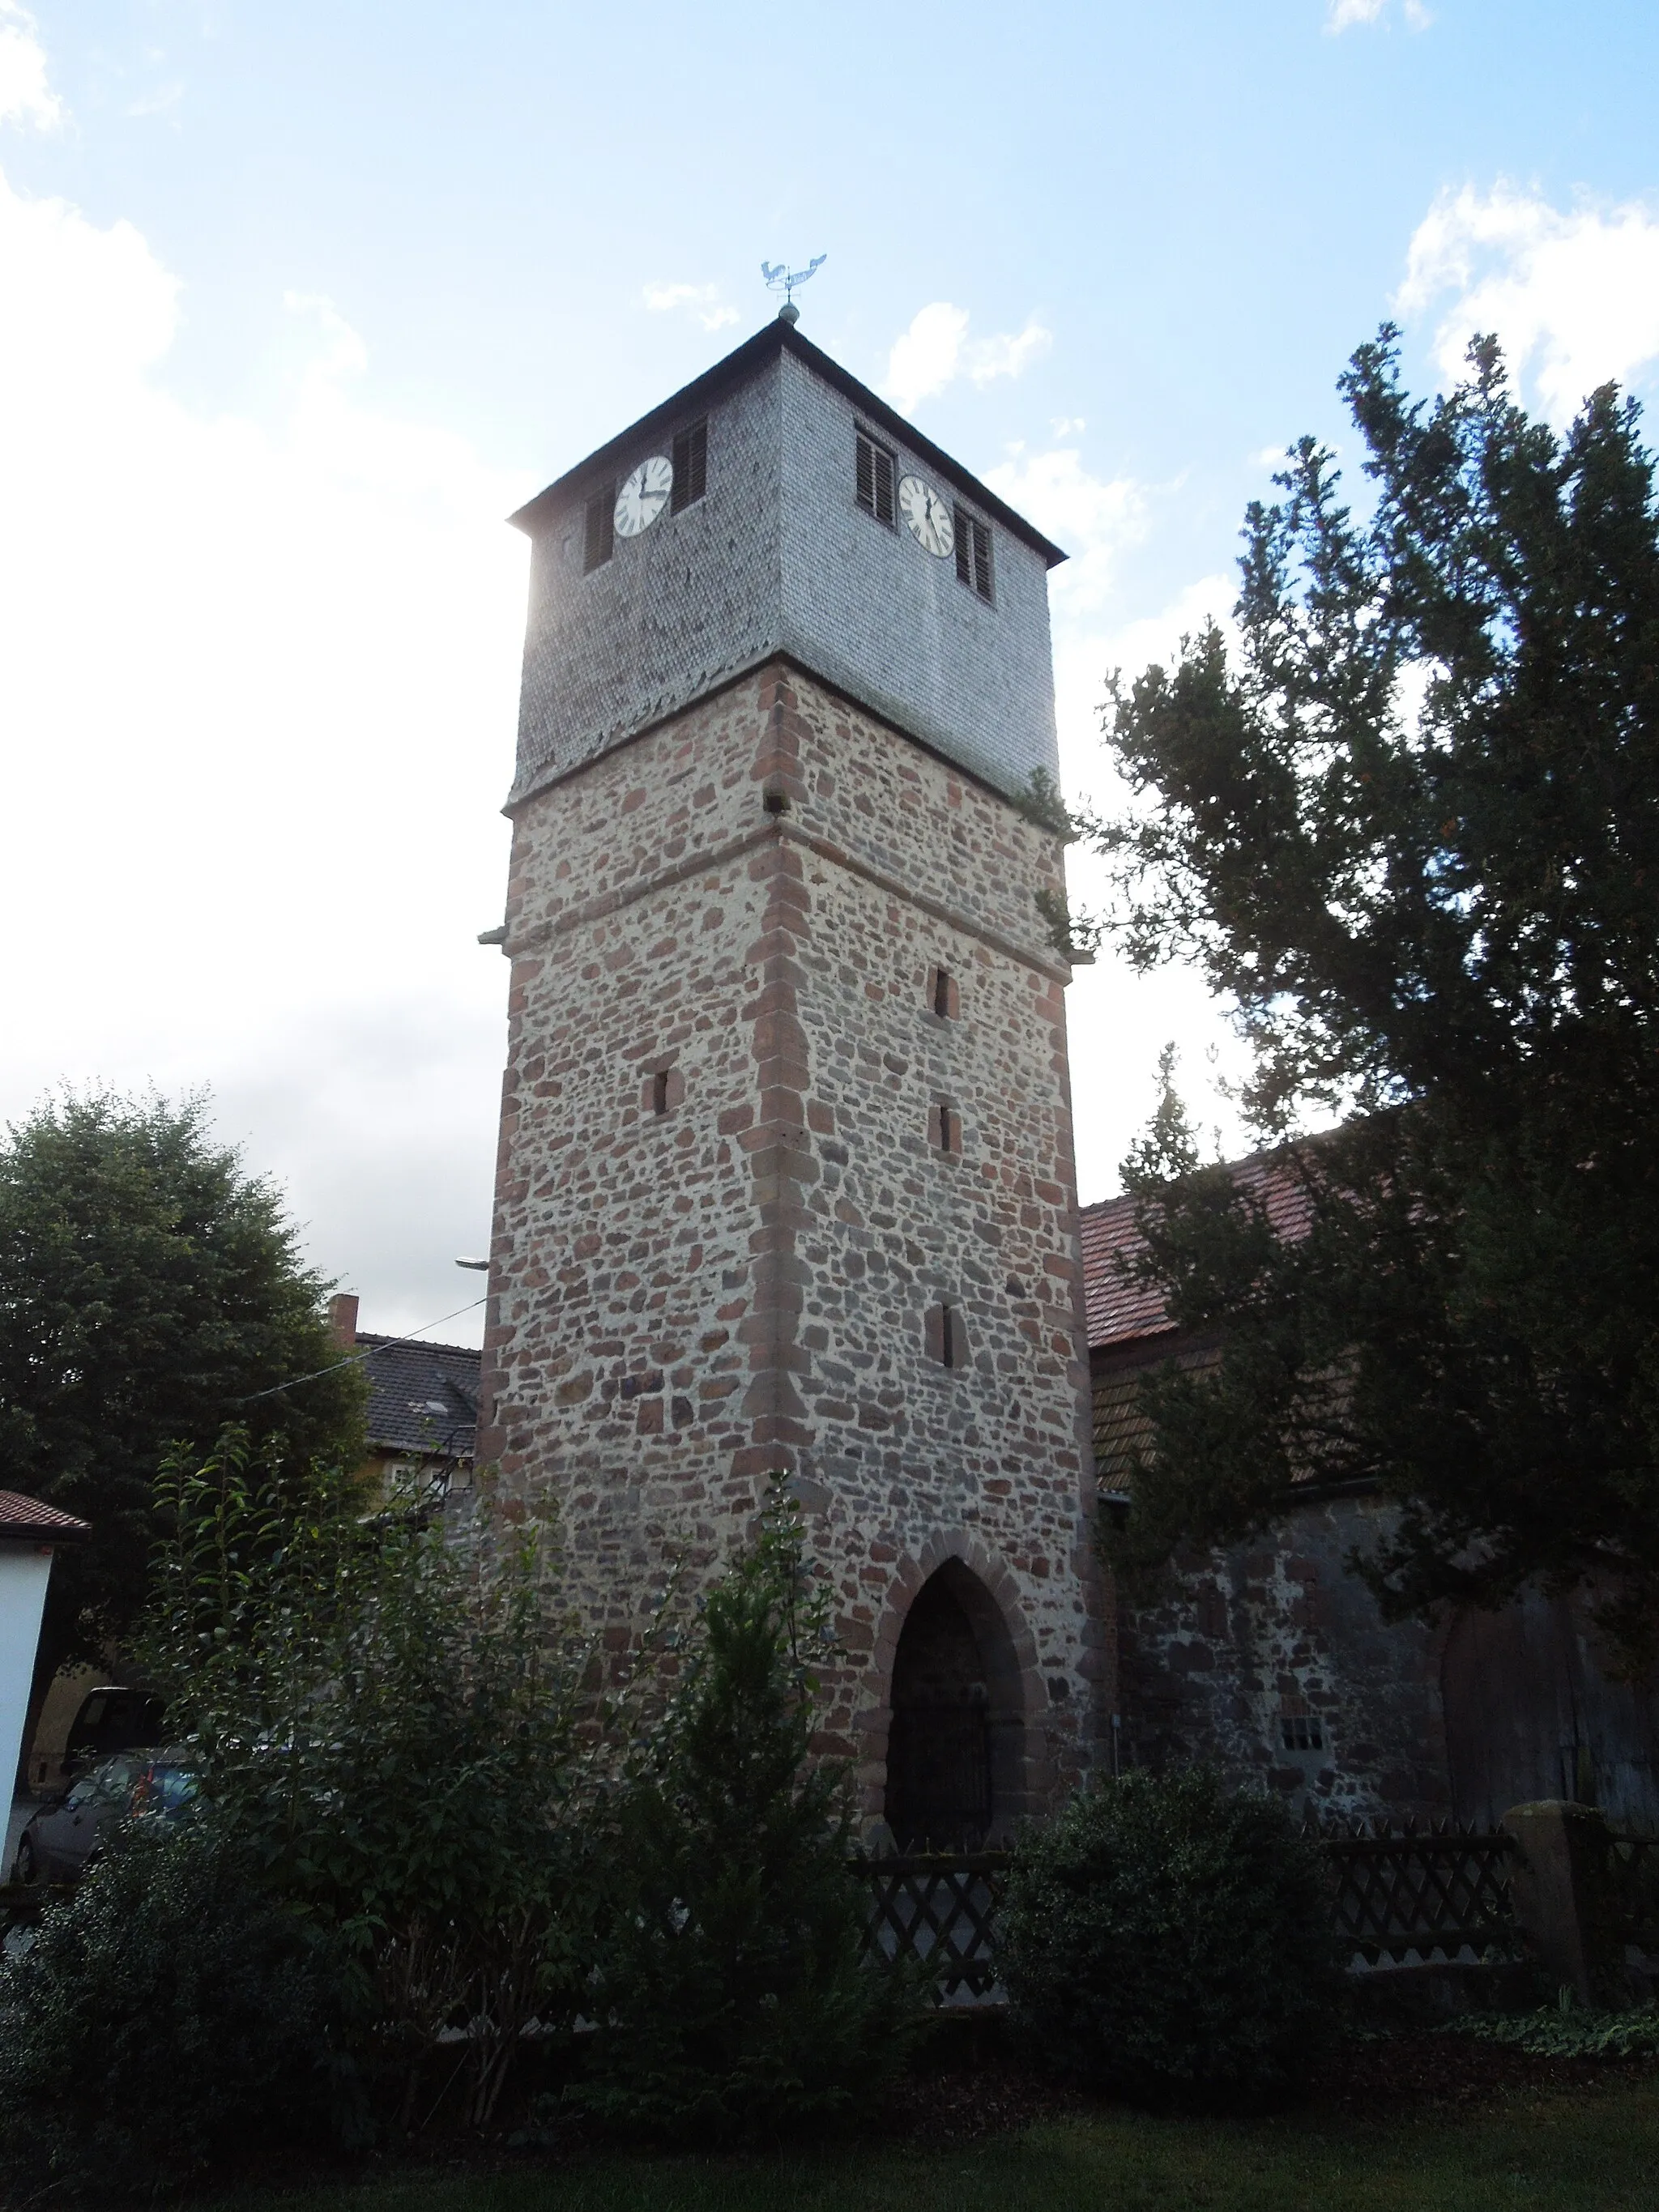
(64, 1834)
(113, 1718)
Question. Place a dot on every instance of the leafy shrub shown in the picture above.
(1574, 2032)
(165, 2012)
(733, 1996)
(393, 1725)
(1169, 1941)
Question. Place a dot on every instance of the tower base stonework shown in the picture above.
(785, 1182)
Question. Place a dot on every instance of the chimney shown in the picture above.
(343, 1318)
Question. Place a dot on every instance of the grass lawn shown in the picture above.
(1597, 2150)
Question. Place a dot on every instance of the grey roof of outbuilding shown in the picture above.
(421, 1397)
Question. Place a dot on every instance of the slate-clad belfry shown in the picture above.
(786, 1175)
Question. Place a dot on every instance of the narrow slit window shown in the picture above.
(599, 535)
(943, 997)
(945, 1128)
(973, 553)
(947, 1337)
(953, 1341)
(691, 459)
(659, 1092)
(875, 479)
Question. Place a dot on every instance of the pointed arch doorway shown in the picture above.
(956, 1744)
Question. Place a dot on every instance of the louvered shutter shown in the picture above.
(981, 560)
(883, 485)
(690, 466)
(875, 479)
(973, 553)
(600, 540)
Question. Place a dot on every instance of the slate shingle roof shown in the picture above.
(421, 1397)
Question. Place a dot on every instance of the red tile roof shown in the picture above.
(27, 1517)
(1121, 1309)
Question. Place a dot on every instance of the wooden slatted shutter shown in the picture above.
(691, 459)
(973, 553)
(874, 480)
(599, 537)
(982, 560)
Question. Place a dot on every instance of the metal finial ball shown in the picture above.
(788, 312)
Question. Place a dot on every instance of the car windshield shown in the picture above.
(108, 1783)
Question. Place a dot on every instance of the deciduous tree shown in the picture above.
(150, 1291)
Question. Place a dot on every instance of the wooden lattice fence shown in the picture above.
(1398, 1896)
(1633, 1878)
(940, 1909)
(1402, 1896)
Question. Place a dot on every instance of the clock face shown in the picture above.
(928, 516)
(644, 496)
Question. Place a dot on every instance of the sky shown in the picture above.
(297, 303)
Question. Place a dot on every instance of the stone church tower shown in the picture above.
(786, 1169)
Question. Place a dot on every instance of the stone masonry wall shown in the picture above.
(1246, 1641)
(719, 1223)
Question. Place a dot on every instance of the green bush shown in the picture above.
(1169, 1941)
(733, 1998)
(1568, 2033)
(393, 1726)
(166, 2012)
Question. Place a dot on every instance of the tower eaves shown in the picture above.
(745, 362)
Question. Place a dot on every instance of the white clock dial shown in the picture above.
(928, 516)
(644, 496)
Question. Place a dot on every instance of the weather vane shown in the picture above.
(780, 277)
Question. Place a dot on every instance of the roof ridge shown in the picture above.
(376, 1342)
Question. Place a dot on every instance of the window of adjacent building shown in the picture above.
(947, 1336)
(691, 460)
(973, 553)
(599, 532)
(875, 478)
(943, 997)
(1301, 1732)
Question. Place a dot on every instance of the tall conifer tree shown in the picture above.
(1409, 826)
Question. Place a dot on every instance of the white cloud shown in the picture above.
(25, 95)
(1574, 296)
(1094, 518)
(1004, 355)
(702, 300)
(928, 356)
(1344, 14)
(259, 694)
(1119, 1021)
(936, 349)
